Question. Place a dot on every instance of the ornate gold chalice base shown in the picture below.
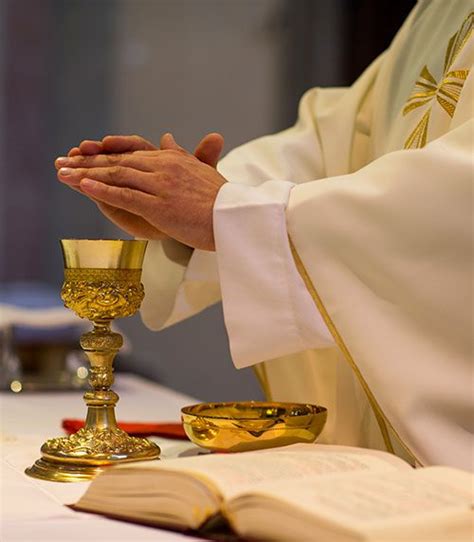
(102, 282)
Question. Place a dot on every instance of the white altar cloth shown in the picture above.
(33, 510)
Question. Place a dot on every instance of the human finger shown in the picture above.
(75, 151)
(209, 149)
(139, 162)
(116, 175)
(89, 147)
(122, 197)
(126, 143)
(133, 224)
(168, 143)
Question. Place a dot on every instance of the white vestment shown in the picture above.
(344, 249)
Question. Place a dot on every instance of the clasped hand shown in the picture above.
(149, 192)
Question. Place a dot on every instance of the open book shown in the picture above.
(299, 492)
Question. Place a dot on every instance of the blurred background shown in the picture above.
(76, 69)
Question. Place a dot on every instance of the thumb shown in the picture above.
(167, 143)
(209, 149)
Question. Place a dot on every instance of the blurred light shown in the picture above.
(82, 372)
(16, 386)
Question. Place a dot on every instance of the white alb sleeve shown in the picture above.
(267, 309)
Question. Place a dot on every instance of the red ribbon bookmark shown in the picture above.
(136, 429)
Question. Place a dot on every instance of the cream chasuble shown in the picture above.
(344, 249)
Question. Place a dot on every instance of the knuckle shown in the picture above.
(80, 159)
(115, 172)
(126, 195)
(113, 159)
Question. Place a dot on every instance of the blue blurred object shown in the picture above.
(38, 296)
(30, 295)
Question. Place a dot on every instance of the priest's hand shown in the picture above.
(113, 144)
(208, 150)
(171, 190)
(128, 222)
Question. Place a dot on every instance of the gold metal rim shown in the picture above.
(57, 472)
(272, 429)
(203, 409)
(103, 253)
(63, 469)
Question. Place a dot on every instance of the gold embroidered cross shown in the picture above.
(446, 92)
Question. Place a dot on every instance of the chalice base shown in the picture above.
(83, 455)
(62, 472)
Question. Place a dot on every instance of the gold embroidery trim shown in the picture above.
(446, 93)
(382, 420)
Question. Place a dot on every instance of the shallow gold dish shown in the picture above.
(252, 425)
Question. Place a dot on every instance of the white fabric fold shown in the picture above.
(179, 283)
(389, 250)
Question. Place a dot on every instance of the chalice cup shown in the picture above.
(101, 283)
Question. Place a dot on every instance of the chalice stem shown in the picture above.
(101, 345)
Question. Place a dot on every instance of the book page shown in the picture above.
(187, 491)
(453, 477)
(233, 473)
(370, 502)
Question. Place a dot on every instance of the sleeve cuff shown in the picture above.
(179, 282)
(267, 309)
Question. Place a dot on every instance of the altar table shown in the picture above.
(33, 510)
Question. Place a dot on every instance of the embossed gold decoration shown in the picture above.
(252, 425)
(446, 92)
(102, 293)
(101, 282)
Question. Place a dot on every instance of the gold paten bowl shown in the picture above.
(252, 425)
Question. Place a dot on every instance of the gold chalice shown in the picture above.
(101, 283)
